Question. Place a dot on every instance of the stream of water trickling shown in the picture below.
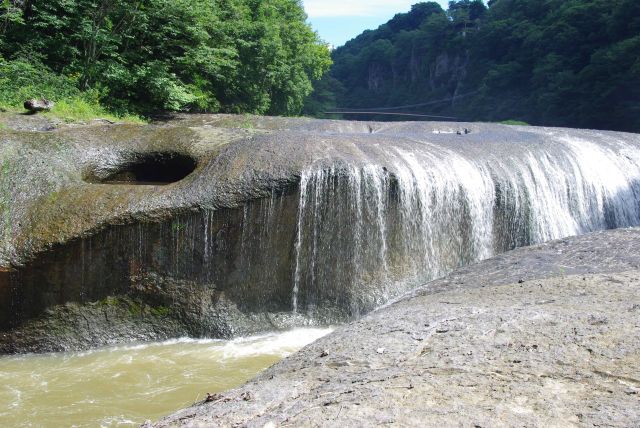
(125, 385)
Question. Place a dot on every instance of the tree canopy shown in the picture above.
(549, 62)
(155, 55)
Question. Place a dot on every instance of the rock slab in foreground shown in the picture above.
(540, 336)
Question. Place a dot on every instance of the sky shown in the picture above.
(338, 21)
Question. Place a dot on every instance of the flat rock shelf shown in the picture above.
(547, 335)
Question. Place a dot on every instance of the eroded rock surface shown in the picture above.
(540, 336)
(221, 225)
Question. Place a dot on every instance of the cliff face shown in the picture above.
(445, 74)
(226, 225)
(538, 62)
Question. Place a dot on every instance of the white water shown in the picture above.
(409, 214)
(125, 385)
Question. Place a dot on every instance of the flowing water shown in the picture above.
(124, 386)
(415, 211)
(361, 228)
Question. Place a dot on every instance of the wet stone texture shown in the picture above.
(222, 225)
(540, 336)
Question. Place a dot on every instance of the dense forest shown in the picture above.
(145, 56)
(549, 62)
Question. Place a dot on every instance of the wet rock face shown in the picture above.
(241, 224)
(194, 262)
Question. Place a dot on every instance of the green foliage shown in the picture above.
(21, 80)
(324, 97)
(81, 109)
(552, 62)
(160, 311)
(568, 63)
(176, 226)
(156, 55)
(109, 301)
(133, 306)
(400, 63)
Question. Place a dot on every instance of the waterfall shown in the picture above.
(371, 231)
(363, 225)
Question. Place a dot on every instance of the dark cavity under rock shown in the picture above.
(146, 169)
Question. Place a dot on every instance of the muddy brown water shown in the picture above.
(126, 385)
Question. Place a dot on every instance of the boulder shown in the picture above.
(35, 105)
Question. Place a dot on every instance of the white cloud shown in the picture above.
(333, 8)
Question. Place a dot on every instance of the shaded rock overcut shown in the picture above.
(219, 225)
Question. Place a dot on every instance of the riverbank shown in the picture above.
(540, 336)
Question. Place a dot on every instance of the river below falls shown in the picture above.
(126, 385)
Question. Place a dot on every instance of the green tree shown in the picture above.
(552, 62)
(153, 55)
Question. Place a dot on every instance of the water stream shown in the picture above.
(358, 230)
(123, 386)
(410, 215)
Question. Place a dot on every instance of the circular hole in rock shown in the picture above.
(152, 169)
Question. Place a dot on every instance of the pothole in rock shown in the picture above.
(147, 169)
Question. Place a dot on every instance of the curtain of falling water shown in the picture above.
(356, 232)
(371, 231)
